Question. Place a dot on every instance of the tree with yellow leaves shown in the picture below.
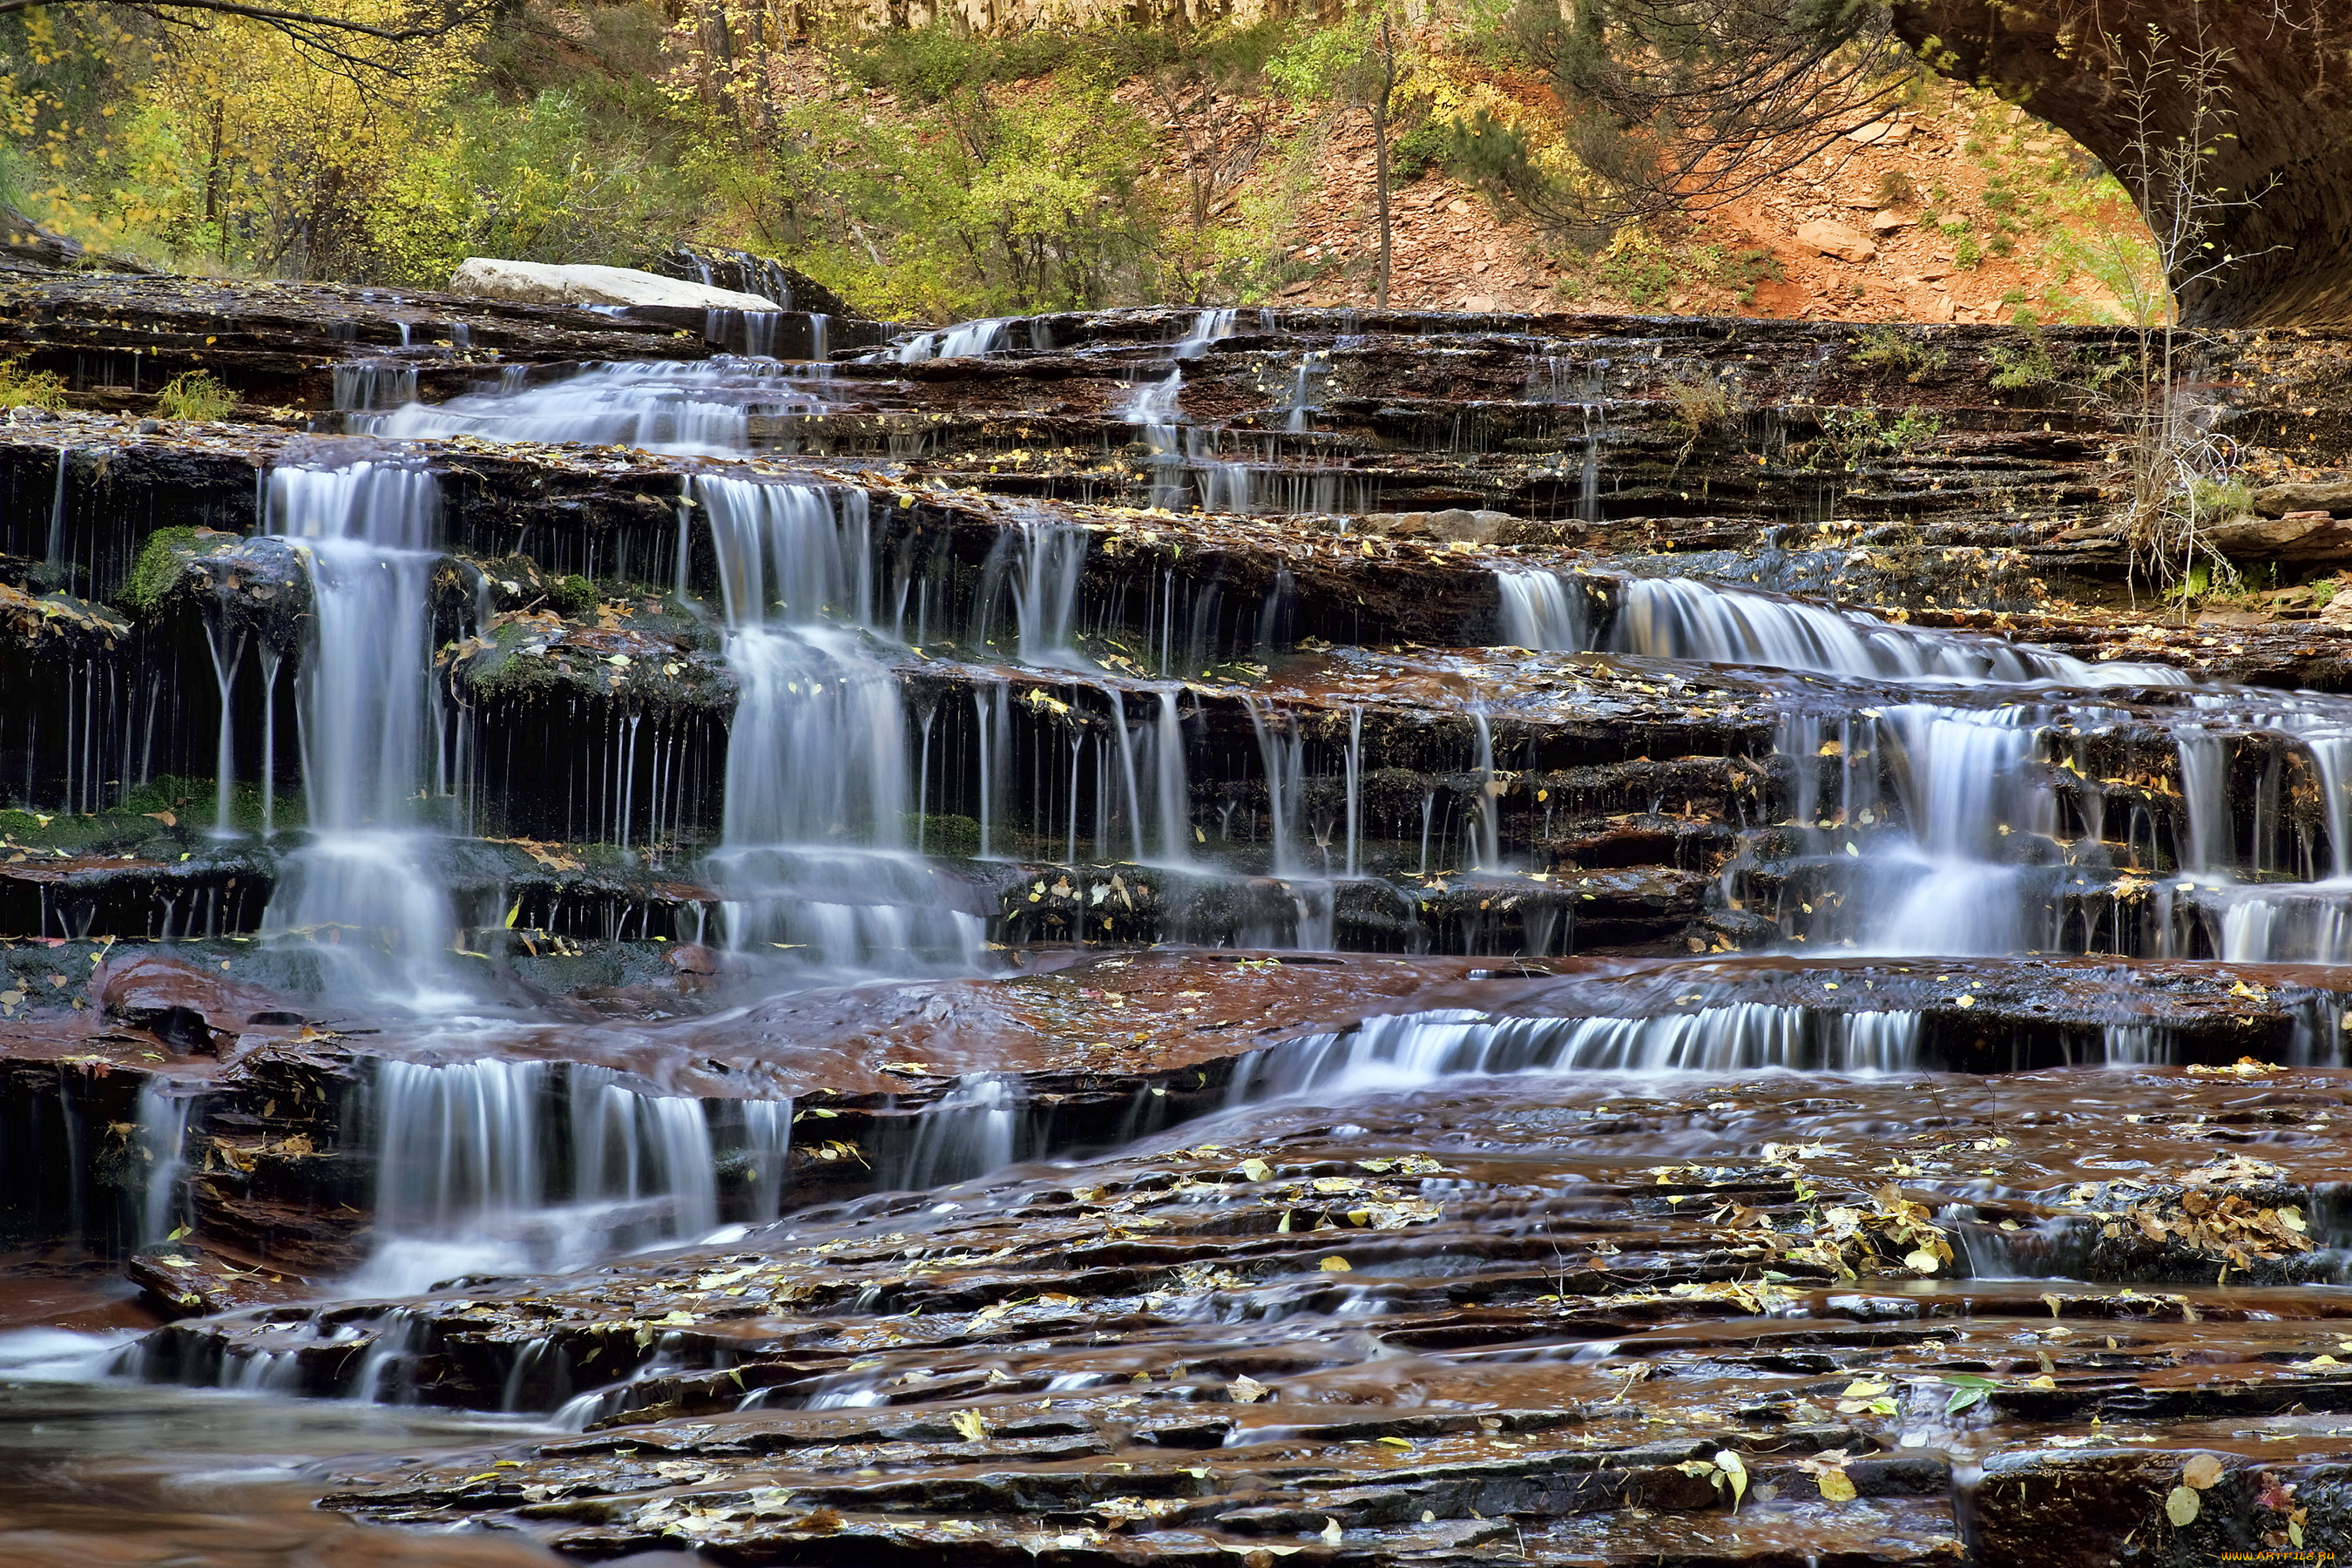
(254, 142)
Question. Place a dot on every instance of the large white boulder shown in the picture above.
(545, 283)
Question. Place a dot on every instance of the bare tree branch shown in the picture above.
(1679, 104)
(346, 41)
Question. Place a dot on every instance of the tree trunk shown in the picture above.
(2284, 173)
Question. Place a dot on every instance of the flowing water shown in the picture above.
(924, 750)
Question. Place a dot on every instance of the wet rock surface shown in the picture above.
(1176, 936)
(1528, 1311)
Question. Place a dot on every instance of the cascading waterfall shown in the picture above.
(1969, 782)
(1037, 566)
(499, 1166)
(816, 852)
(970, 1131)
(1540, 611)
(693, 407)
(1207, 328)
(1684, 618)
(967, 338)
(163, 1141)
(1931, 792)
(1152, 410)
(361, 888)
(1173, 787)
(1410, 1050)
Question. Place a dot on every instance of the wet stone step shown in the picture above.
(272, 1133)
(906, 1370)
(1176, 936)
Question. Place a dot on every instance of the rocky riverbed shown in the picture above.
(1165, 937)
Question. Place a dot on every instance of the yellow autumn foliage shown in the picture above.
(226, 146)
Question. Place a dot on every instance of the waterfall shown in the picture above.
(1282, 752)
(1173, 787)
(969, 338)
(813, 845)
(969, 1133)
(1037, 566)
(1410, 1050)
(2204, 801)
(1684, 618)
(1539, 612)
(689, 406)
(1307, 380)
(1153, 410)
(360, 888)
(502, 1166)
(365, 393)
(1207, 327)
(1968, 782)
(162, 1140)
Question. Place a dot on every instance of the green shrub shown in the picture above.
(943, 834)
(23, 388)
(1705, 402)
(2021, 370)
(1897, 189)
(1426, 145)
(534, 182)
(1892, 350)
(2214, 500)
(1852, 437)
(194, 395)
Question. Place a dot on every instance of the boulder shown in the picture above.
(2324, 495)
(2310, 536)
(1835, 239)
(544, 283)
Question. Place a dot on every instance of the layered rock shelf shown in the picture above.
(1182, 937)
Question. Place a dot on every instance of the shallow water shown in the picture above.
(109, 1473)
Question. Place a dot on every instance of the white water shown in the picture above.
(499, 1166)
(692, 407)
(814, 852)
(1036, 566)
(959, 342)
(162, 1141)
(360, 890)
(1206, 328)
(1411, 1050)
(1683, 617)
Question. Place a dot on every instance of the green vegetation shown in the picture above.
(2027, 369)
(2217, 499)
(167, 807)
(931, 173)
(941, 835)
(574, 598)
(1896, 351)
(194, 395)
(1704, 405)
(154, 573)
(1851, 437)
(23, 388)
(1646, 272)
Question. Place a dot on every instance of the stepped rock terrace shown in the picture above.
(1164, 937)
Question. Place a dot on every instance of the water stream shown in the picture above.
(961, 751)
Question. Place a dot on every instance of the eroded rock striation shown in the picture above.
(1193, 936)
